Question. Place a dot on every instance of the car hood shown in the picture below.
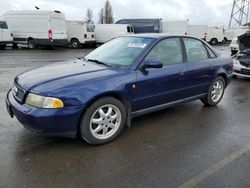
(244, 42)
(62, 74)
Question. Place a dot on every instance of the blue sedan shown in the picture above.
(97, 95)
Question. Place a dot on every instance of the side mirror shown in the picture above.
(152, 63)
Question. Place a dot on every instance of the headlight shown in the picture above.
(235, 61)
(43, 102)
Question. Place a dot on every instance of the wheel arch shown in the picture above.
(74, 38)
(30, 38)
(224, 76)
(115, 95)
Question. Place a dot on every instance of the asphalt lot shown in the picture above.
(190, 145)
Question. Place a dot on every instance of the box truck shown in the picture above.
(37, 27)
(105, 32)
(199, 31)
(80, 32)
(153, 25)
(215, 35)
(179, 27)
(5, 35)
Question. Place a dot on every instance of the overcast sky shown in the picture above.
(211, 12)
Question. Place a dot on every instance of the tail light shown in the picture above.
(11, 34)
(50, 34)
(231, 66)
(205, 36)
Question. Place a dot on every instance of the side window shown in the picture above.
(128, 29)
(168, 51)
(195, 50)
(132, 30)
(3, 25)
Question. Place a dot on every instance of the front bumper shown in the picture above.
(240, 70)
(50, 122)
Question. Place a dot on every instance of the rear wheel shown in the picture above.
(213, 41)
(215, 93)
(2, 46)
(75, 43)
(103, 121)
(31, 44)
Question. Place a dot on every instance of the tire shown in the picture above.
(213, 41)
(2, 46)
(75, 43)
(218, 86)
(14, 46)
(102, 114)
(31, 44)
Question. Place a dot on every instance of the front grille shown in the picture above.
(246, 64)
(243, 71)
(18, 93)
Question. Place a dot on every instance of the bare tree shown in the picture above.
(89, 15)
(101, 16)
(108, 13)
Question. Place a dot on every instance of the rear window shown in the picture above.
(3, 25)
(90, 28)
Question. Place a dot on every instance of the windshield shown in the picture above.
(121, 51)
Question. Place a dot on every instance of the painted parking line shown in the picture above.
(216, 167)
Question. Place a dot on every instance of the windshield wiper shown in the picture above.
(98, 62)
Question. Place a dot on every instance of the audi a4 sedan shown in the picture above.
(97, 95)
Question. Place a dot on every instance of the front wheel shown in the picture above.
(215, 93)
(103, 121)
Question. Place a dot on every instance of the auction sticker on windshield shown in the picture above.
(137, 45)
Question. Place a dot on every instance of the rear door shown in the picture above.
(1, 32)
(199, 66)
(90, 32)
(158, 86)
(5, 32)
(58, 26)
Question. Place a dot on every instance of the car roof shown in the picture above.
(157, 35)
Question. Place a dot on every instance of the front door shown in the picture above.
(156, 86)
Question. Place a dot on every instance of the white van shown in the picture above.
(80, 32)
(234, 46)
(215, 35)
(232, 33)
(105, 32)
(179, 27)
(5, 35)
(37, 27)
(199, 31)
